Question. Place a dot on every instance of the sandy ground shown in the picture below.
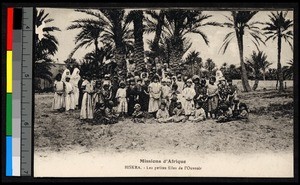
(260, 147)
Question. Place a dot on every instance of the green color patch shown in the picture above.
(8, 114)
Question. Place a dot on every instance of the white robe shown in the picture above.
(188, 105)
(74, 80)
(69, 99)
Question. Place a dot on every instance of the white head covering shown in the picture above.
(75, 77)
(65, 73)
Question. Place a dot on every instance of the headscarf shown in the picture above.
(75, 77)
(65, 73)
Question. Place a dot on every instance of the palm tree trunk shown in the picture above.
(155, 46)
(244, 76)
(255, 85)
(264, 75)
(138, 39)
(279, 70)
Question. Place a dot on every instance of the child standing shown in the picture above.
(165, 92)
(174, 97)
(212, 93)
(59, 88)
(86, 105)
(199, 113)
(155, 95)
(131, 96)
(69, 95)
(145, 95)
(121, 99)
(188, 95)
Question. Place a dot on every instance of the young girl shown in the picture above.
(69, 95)
(137, 115)
(174, 97)
(110, 115)
(86, 105)
(202, 98)
(225, 113)
(59, 88)
(121, 99)
(162, 115)
(145, 95)
(222, 91)
(188, 95)
(155, 95)
(180, 83)
(199, 113)
(240, 110)
(131, 96)
(165, 92)
(212, 93)
(178, 113)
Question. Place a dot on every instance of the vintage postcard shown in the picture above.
(164, 92)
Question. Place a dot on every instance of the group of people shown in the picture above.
(166, 97)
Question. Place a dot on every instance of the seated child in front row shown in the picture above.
(240, 110)
(110, 116)
(162, 115)
(224, 113)
(137, 115)
(199, 113)
(178, 113)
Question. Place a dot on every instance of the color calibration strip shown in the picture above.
(9, 86)
(13, 91)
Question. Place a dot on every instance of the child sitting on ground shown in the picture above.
(138, 115)
(240, 110)
(99, 114)
(178, 113)
(225, 113)
(199, 113)
(110, 115)
(162, 115)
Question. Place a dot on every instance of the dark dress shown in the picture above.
(144, 98)
(173, 103)
(131, 95)
(223, 94)
(203, 98)
(197, 88)
(81, 88)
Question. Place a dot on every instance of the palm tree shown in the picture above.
(115, 34)
(279, 27)
(210, 66)
(288, 71)
(155, 25)
(256, 63)
(194, 62)
(179, 23)
(240, 22)
(89, 34)
(264, 66)
(136, 16)
(45, 45)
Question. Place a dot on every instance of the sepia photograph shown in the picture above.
(163, 92)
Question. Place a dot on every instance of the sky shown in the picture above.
(63, 18)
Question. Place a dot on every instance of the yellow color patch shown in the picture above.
(9, 72)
